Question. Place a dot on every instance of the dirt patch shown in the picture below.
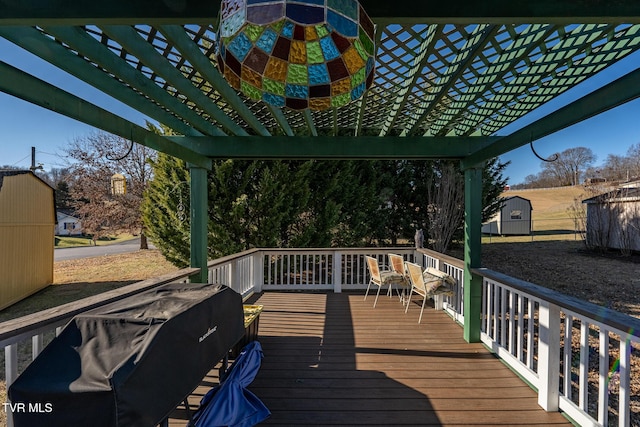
(608, 279)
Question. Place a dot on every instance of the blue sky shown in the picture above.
(24, 125)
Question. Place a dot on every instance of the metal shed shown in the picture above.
(513, 219)
(27, 223)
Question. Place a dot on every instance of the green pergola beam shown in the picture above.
(44, 47)
(191, 52)
(334, 148)
(84, 44)
(56, 12)
(614, 94)
(129, 39)
(281, 119)
(17, 83)
(308, 118)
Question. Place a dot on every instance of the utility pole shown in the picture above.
(33, 167)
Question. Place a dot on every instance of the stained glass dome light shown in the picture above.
(300, 54)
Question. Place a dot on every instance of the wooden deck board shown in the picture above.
(334, 360)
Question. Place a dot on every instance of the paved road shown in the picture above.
(61, 254)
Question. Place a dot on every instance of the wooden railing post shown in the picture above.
(199, 219)
(258, 271)
(472, 298)
(337, 272)
(233, 276)
(548, 356)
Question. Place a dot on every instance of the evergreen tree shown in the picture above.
(63, 196)
(255, 203)
(300, 203)
(165, 209)
(493, 183)
(358, 198)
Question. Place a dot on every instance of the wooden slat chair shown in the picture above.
(380, 278)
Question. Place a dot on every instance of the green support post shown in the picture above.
(472, 252)
(199, 220)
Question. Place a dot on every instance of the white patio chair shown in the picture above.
(418, 286)
(396, 262)
(378, 278)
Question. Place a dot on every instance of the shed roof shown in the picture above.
(449, 75)
(619, 195)
(516, 197)
(5, 173)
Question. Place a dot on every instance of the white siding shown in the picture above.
(614, 225)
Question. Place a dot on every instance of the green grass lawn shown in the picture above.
(73, 241)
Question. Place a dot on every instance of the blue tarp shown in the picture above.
(230, 403)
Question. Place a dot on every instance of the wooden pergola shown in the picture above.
(449, 76)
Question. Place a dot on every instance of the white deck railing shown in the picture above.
(578, 356)
(323, 269)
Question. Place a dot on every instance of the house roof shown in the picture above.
(449, 76)
(66, 214)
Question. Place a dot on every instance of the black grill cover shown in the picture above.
(129, 363)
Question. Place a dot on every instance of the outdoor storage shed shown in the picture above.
(27, 223)
(613, 219)
(513, 219)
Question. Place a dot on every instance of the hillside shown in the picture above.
(549, 201)
(552, 207)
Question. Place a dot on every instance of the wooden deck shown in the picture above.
(333, 359)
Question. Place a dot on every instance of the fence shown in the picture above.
(541, 228)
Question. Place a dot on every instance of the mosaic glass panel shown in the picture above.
(302, 54)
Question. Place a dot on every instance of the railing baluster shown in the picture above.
(503, 316)
(11, 363)
(36, 345)
(548, 350)
(568, 334)
(530, 351)
(483, 313)
(603, 392)
(583, 395)
(624, 369)
(512, 323)
(337, 272)
(520, 343)
(496, 307)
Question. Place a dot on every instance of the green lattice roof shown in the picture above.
(453, 74)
